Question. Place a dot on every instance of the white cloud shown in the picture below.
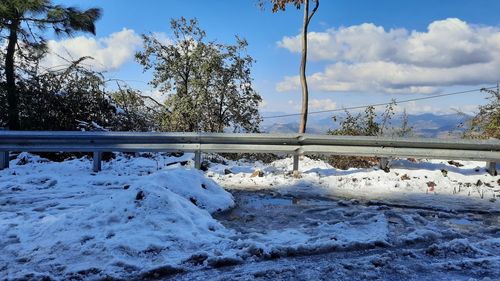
(322, 104)
(108, 53)
(368, 58)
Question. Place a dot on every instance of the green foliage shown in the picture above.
(369, 123)
(136, 112)
(22, 24)
(58, 100)
(280, 5)
(34, 16)
(65, 99)
(486, 123)
(208, 84)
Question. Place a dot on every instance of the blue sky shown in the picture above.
(264, 30)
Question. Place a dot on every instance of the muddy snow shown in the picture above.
(356, 240)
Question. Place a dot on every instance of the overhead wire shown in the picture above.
(381, 104)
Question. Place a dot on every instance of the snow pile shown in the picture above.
(59, 219)
(194, 186)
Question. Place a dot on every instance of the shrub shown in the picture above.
(367, 123)
(486, 123)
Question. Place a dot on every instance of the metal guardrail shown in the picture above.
(295, 144)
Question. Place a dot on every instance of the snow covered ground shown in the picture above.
(149, 217)
(59, 219)
(433, 183)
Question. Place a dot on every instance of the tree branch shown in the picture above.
(43, 20)
(316, 6)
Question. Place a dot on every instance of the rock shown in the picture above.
(139, 196)
(23, 161)
(204, 166)
(431, 185)
(405, 177)
(257, 173)
(454, 163)
(182, 163)
(193, 200)
(227, 172)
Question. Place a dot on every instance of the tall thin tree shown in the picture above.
(281, 5)
(24, 21)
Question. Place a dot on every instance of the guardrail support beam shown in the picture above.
(97, 161)
(197, 160)
(295, 165)
(4, 160)
(491, 167)
(383, 163)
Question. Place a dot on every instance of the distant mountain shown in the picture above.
(433, 125)
(424, 125)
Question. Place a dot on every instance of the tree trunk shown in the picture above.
(12, 95)
(303, 79)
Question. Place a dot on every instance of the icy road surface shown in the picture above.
(408, 243)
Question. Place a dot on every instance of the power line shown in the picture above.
(380, 104)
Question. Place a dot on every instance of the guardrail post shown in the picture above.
(383, 163)
(4, 160)
(491, 167)
(4, 156)
(295, 165)
(97, 160)
(197, 160)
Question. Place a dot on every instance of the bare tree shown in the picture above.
(281, 5)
